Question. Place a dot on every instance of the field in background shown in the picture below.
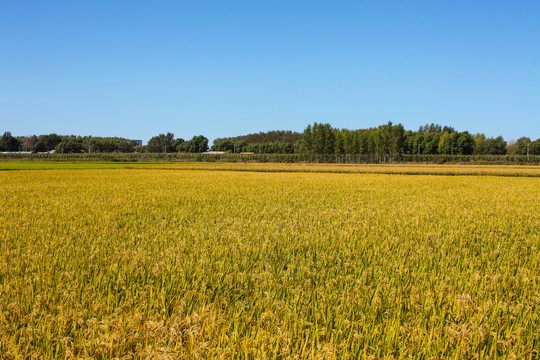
(280, 158)
(411, 169)
(276, 261)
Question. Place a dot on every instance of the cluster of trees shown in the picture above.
(289, 137)
(393, 139)
(388, 139)
(90, 144)
(276, 147)
(434, 139)
(29, 143)
(78, 144)
(33, 143)
(166, 143)
(271, 142)
(524, 146)
(9, 143)
(66, 144)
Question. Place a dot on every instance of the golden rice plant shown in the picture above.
(151, 264)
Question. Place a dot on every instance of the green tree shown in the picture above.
(28, 142)
(366, 141)
(389, 139)
(431, 128)
(519, 147)
(177, 143)
(318, 139)
(50, 141)
(350, 142)
(339, 143)
(9, 143)
(224, 145)
(495, 146)
(69, 146)
(480, 141)
(326, 139)
(465, 143)
(289, 137)
(161, 143)
(535, 147)
(197, 144)
(39, 146)
(448, 143)
(306, 144)
(430, 143)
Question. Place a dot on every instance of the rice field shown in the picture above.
(406, 169)
(332, 262)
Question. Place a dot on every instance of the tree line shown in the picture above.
(66, 144)
(388, 140)
(72, 144)
(164, 143)
(384, 140)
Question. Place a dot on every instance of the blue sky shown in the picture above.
(224, 68)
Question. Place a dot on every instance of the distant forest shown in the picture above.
(316, 139)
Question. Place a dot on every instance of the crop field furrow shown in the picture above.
(132, 263)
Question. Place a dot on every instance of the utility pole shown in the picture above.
(418, 148)
(528, 145)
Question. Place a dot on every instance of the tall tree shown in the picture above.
(448, 143)
(197, 144)
(535, 147)
(177, 144)
(480, 141)
(28, 142)
(306, 144)
(519, 147)
(495, 146)
(50, 141)
(39, 146)
(322, 139)
(465, 143)
(69, 146)
(161, 143)
(389, 139)
(9, 143)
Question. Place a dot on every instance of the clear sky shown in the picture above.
(224, 68)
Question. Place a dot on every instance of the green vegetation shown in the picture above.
(384, 144)
(279, 158)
